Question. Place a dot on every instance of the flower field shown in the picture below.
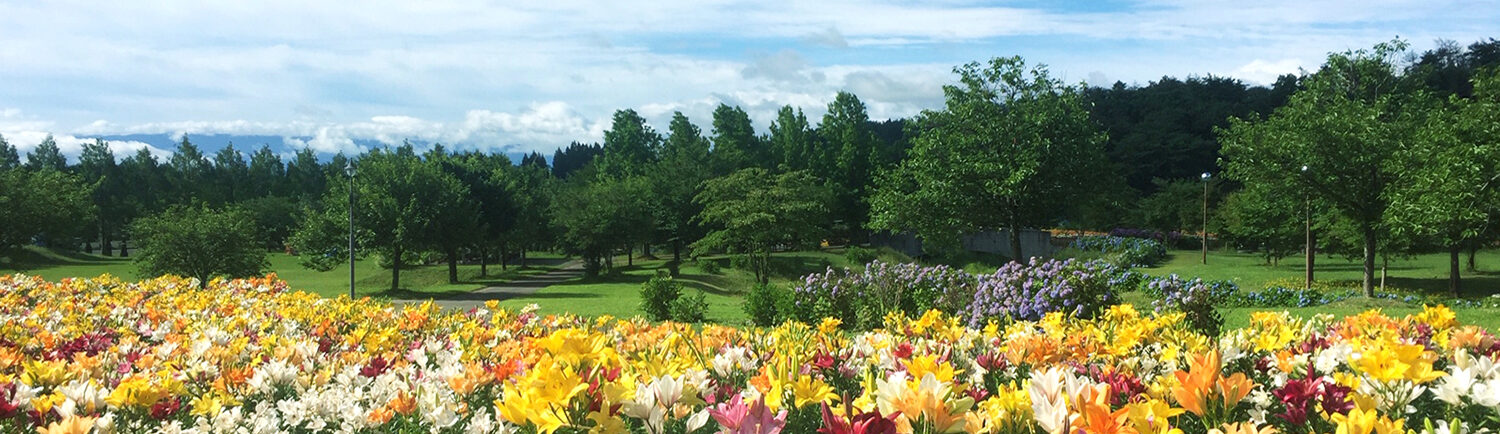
(252, 356)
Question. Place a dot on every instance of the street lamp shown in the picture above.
(349, 170)
(1205, 217)
(1308, 248)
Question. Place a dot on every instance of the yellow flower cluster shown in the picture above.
(160, 355)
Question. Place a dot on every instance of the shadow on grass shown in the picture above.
(32, 258)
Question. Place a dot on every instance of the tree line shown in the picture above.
(1399, 149)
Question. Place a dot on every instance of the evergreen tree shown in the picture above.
(9, 157)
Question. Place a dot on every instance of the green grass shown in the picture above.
(1423, 274)
(619, 294)
(421, 281)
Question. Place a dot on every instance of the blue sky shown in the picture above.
(515, 77)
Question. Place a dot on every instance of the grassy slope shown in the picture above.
(370, 279)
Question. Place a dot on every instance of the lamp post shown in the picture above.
(1308, 248)
(349, 170)
(1205, 217)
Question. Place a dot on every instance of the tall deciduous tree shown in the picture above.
(1011, 149)
(846, 130)
(198, 242)
(267, 174)
(46, 156)
(595, 218)
(189, 174)
(1347, 125)
(230, 175)
(1454, 194)
(40, 204)
(398, 208)
(676, 180)
(96, 165)
(9, 157)
(752, 211)
(630, 145)
(735, 144)
(793, 143)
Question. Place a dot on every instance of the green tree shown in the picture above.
(752, 212)
(1347, 124)
(676, 180)
(147, 192)
(1267, 220)
(735, 144)
(467, 223)
(1455, 193)
(595, 218)
(630, 145)
(531, 191)
(97, 167)
(1012, 149)
(399, 201)
(9, 157)
(190, 174)
(231, 175)
(46, 156)
(304, 176)
(275, 218)
(793, 142)
(198, 242)
(266, 175)
(40, 204)
(846, 129)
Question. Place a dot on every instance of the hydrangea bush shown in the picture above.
(1122, 251)
(1028, 291)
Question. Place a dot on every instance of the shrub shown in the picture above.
(1122, 251)
(657, 297)
(859, 255)
(1196, 298)
(740, 262)
(768, 305)
(862, 298)
(708, 266)
(690, 308)
(198, 242)
(1028, 291)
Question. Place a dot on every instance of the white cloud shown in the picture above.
(541, 74)
(1263, 72)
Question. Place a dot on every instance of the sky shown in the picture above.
(517, 77)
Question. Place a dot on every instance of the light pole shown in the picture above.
(1205, 217)
(1308, 248)
(349, 170)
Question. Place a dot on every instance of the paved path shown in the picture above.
(517, 288)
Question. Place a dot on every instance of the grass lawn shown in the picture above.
(619, 294)
(1425, 274)
(370, 280)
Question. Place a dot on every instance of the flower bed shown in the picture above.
(1122, 251)
(251, 356)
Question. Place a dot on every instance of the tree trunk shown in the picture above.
(104, 241)
(88, 246)
(1385, 264)
(676, 258)
(1453, 269)
(504, 259)
(396, 270)
(1473, 248)
(1015, 244)
(523, 257)
(1369, 236)
(629, 258)
(452, 265)
(1311, 248)
(484, 262)
(646, 249)
(125, 249)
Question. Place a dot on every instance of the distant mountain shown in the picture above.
(211, 143)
